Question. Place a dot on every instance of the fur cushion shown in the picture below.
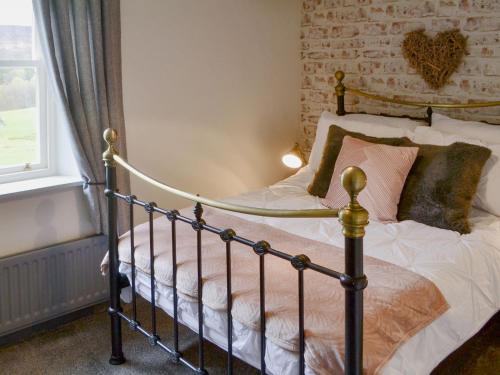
(321, 181)
(441, 185)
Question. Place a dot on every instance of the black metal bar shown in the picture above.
(429, 115)
(132, 259)
(262, 295)
(229, 309)
(302, 342)
(354, 283)
(340, 105)
(198, 226)
(117, 356)
(261, 248)
(172, 216)
(300, 262)
(227, 236)
(340, 93)
(149, 208)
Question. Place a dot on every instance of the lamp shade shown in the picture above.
(294, 158)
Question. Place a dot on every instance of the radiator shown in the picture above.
(44, 284)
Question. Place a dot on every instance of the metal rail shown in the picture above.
(410, 103)
(340, 90)
(310, 213)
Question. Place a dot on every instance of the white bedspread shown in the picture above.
(466, 268)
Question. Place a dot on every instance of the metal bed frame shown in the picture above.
(341, 89)
(353, 218)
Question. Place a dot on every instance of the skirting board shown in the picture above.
(44, 284)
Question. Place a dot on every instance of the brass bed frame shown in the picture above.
(341, 89)
(353, 218)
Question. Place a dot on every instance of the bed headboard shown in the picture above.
(341, 89)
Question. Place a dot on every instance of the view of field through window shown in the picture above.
(19, 131)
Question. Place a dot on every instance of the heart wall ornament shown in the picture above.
(435, 59)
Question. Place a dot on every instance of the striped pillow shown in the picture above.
(386, 168)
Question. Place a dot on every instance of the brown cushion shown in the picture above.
(441, 185)
(321, 181)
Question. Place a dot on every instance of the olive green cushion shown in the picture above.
(441, 185)
(321, 181)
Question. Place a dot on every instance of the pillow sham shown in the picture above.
(333, 143)
(441, 185)
(470, 129)
(372, 125)
(487, 197)
(386, 168)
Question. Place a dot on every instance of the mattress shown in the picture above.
(466, 269)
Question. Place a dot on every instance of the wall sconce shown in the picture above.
(294, 158)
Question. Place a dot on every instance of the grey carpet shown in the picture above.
(82, 347)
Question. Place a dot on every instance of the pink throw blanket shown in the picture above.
(397, 303)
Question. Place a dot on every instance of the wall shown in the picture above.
(41, 218)
(211, 93)
(363, 38)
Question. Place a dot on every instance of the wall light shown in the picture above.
(294, 158)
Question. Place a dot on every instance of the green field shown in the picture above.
(18, 137)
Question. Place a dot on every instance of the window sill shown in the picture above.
(38, 185)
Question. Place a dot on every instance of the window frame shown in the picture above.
(45, 121)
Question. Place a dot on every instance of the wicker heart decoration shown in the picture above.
(435, 59)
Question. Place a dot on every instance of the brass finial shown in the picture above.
(110, 136)
(353, 217)
(339, 88)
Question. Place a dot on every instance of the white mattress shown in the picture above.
(466, 268)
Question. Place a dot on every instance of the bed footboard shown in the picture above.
(353, 217)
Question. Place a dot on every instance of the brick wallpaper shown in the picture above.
(363, 38)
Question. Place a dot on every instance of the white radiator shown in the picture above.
(43, 284)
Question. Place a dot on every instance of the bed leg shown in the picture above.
(354, 218)
(117, 357)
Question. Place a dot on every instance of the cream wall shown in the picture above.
(211, 92)
(40, 219)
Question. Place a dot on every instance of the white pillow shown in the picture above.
(395, 122)
(371, 125)
(487, 196)
(470, 129)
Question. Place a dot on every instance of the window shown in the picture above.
(25, 104)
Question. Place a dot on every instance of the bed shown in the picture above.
(465, 269)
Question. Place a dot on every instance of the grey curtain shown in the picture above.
(81, 44)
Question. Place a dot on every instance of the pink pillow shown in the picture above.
(386, 168)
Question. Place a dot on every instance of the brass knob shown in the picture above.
(110, 136)
(353, 180)
(354, 217)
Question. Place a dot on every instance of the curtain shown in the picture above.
(81, 43)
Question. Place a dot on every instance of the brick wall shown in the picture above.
(363, 38)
